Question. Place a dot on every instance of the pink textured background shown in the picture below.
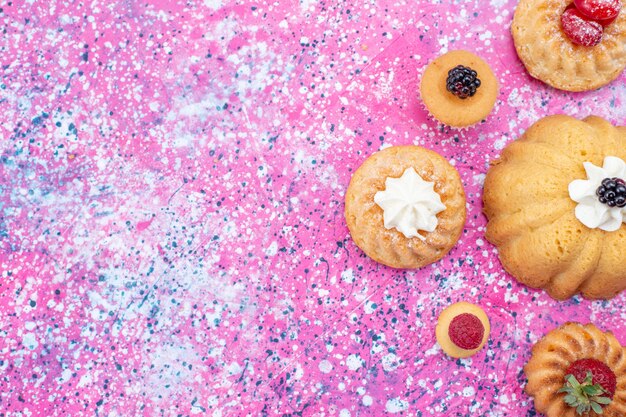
(172, 239)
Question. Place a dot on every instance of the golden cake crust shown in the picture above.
(365, 218)
(445, 106)
(549, 55)
(443, 324)
(552, 355)
(532, 218)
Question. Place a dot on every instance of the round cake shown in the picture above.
(543, 199)
(551, 56)
(462, 329)
(574, 366)
(405, 206)
(459, 89)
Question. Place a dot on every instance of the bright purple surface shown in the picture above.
(172, 239)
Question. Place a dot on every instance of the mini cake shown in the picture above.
(555, 203)
(573, 47)
(405, 206)
(578, 370)
(462, 329)
(459, 89)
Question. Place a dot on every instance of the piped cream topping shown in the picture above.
(409, 204)
(590, 211)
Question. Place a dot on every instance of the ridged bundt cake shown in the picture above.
(551, 228)
(575, 349)
(405, 206)
(549, 55)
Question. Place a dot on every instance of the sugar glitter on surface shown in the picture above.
(172, 241)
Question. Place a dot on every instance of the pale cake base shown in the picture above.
(365, 218)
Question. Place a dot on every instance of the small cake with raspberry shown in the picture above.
(572, 46)
(462, 329)
(459, 89)
(578, 370)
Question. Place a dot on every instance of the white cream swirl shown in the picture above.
(590, 211)
(409, 204)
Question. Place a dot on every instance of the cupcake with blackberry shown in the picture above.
(459, 89)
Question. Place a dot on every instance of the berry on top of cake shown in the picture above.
(462, 329)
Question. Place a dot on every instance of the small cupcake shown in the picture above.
(459, 89)
(462, 329)
(405, 206)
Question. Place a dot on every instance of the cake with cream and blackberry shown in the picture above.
(555, 201)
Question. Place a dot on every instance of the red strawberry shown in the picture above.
(589, 386)
(601, 374)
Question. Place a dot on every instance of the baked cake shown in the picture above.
(459, 89)
(543, 199)
(551, 55)
(578, 370)
(405, 206)
(462, 329)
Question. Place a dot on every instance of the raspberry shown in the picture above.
(466, 331)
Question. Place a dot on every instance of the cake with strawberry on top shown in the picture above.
(578, 370)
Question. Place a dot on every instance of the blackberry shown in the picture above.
(462, 81)
(612, 192)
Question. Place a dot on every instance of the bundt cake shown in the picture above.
(553, 55)
(544, 201)
(578, 370)
(405, 206)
